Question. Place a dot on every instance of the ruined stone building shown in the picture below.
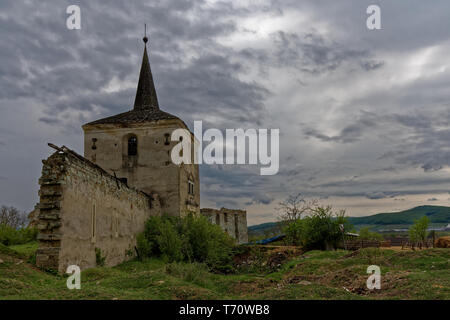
(99, 202)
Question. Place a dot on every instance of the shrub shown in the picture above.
(191, 238)
(11, 236)
(319, 230)
(293, 231)
(169, 242)
(418, 231)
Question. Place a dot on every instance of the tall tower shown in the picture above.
(136, 147)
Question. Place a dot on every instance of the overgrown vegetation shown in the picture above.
(423, 274)
(11, 236)
(310, 225)
(190, 238)
(13, 230)
(418, 231)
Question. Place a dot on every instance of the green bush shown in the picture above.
(191, 238)
(11, 236)
(418, 231)
(170, 242)
(320, 230)
(294, 232)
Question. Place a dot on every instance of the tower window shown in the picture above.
(132, 146)
(190, 187)
(94, 140)
(166, 139)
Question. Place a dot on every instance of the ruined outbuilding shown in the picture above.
(93, 206)
(233, 222)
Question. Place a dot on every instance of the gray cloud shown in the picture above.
(361, 113)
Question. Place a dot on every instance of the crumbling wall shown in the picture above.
(233, 222)
(84, 210)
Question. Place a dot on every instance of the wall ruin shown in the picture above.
(233, 222)
(83, 208)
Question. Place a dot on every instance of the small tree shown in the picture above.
(294, 207)
(12, 217)
(418, 231)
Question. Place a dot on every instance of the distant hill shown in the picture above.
(438, 215)
(264, 230)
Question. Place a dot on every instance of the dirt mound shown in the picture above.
(269, 258)
(443, 242)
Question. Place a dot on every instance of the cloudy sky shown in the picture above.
(363, 115)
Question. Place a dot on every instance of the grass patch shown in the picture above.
(313, 275)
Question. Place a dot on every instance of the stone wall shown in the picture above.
(84, 209)
(233, 222)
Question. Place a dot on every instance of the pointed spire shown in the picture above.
(146, 98)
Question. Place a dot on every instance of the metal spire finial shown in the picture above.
(145, 34)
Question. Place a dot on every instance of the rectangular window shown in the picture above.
(190, 187)
(93, 222)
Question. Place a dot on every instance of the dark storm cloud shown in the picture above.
(65, 69)
(351, 133)
(58, 79)
(312, 53)
(210, 83)
(425, 141)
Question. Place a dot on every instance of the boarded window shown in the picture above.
(132, 146)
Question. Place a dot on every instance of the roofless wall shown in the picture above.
(84, 209)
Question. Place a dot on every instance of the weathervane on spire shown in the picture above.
(145, 34)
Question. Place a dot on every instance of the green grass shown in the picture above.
(313, 275)
(27, 249)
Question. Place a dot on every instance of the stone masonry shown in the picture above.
(83, 208)
(233, 222)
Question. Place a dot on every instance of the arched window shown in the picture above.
(132, 146)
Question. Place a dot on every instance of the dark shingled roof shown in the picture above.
(146, 107)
